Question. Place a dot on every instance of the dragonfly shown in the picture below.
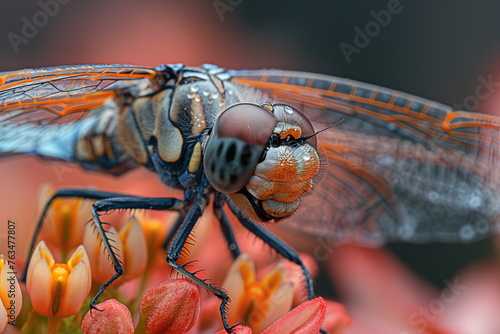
(327, 157)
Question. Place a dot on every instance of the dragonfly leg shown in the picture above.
(175, 250)
(282, 249)
(226, 228)
(65, 193)
(125, 203)
(175, 227)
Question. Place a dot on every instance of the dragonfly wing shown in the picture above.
(62, 94)
(47, 111)
(399, 167)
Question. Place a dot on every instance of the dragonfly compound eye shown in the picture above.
(236, 143)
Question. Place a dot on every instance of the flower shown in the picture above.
(129, 245)
(58, 289)
(10, 295)
(135, 253)
(65, 219)
(174, 306)
(155, 230)
(257, 304)
(171, 307)
(114, 318)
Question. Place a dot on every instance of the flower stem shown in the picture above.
(53, 324)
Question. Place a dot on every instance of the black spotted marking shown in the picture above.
(233, 178)
(246, 155)
(231, 152)
(212, 167)
(219, 149)
(222, 175)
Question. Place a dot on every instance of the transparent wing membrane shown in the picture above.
(47, 111)
(399, 167)
(61, 94)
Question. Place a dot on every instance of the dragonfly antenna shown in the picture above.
(328, 127)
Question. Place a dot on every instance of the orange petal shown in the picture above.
(135, 252)
(234, 283)
(10, 291)
(78, 285)
(280, 302)
(304, 319)
(100, 261)
(171, 307)
(114, 318)
(39, 287)
(237, 330)
(41, 252)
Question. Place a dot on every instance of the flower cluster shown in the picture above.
(69, 264)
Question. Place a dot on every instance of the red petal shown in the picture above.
(306, 318)
(171, 307)
(114, 318)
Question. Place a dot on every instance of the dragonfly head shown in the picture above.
(264, 157)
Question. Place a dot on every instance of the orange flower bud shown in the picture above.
(65, 220)
(135, 253)
(100, 262)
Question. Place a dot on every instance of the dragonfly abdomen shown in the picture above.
(97, 148)
(87, 141)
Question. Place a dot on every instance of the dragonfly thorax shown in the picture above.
(264, 157)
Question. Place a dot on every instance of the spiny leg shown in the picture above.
(226, 228)
(126, 203)
(65, 193)
(281, 248)
(175, 251)
(173, 229)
